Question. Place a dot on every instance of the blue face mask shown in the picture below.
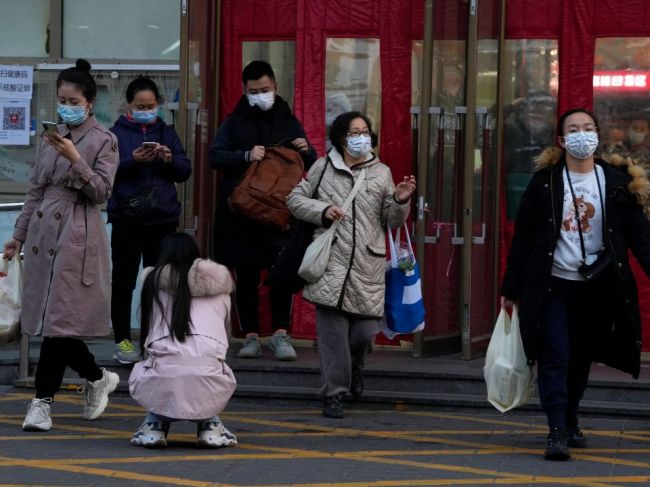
(145, 116)
(72, 115)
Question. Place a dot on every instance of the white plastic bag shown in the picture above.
(11, 282)
(510, 380)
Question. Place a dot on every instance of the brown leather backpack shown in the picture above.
(262, 192)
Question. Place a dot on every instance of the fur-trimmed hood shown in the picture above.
(206, 278)
(638, 185)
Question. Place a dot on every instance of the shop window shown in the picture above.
(121, 29)
(622, 98)
(24, 28)
(353, 79)
(16, 162)
(281, 55)
(530, 106)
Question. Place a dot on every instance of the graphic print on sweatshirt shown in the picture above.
(586, 211)
(567, 257)
(587, 201)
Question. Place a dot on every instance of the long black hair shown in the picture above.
(177, 254)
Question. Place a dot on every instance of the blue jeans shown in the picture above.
(155, 418)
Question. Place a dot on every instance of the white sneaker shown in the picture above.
(38, 415)
(96, 394)
(215, 435)
(150, 435)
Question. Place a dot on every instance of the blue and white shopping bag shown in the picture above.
(404, 308)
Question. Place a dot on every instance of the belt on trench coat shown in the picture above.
(90, 259)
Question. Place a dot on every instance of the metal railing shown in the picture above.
(23, 352)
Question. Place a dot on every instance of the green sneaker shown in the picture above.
(280, 345)
(126, 353)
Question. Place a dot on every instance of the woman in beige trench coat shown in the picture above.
(66, 292)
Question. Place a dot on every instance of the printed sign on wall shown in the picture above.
(16, 88)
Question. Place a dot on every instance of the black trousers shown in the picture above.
(131, 241)
(248, 281)
(56, 354)
(566, 347)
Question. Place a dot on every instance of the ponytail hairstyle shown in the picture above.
(178, 252)
(79, 76)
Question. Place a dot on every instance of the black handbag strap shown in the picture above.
(320, 178)
(575, 207)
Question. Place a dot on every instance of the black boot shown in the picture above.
(575, 438)
(557, 447)
(332, 408)
(356, 385)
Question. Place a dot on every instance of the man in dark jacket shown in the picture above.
(260, 118)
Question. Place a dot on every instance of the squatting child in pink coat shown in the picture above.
(184, 376)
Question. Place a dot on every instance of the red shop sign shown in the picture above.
(621, 80)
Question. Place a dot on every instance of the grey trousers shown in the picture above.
(343, 341)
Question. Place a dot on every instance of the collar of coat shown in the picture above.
(638, 184)
(205, 278)
(339, 163)
(78, 131)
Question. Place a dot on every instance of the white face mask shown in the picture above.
(359, 145)
(581, 145)
(263, 100)
(635, 137)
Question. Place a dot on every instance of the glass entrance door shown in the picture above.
(457, 168)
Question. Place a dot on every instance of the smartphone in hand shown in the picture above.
(149, 145)
(49, 127)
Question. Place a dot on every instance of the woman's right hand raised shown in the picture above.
(12, 248)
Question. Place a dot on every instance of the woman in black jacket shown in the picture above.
(568, 269)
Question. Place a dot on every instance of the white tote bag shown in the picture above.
(510, 380)
(11, 290)
(318, 253)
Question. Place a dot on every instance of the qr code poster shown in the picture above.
(14, 128)
(13, 118)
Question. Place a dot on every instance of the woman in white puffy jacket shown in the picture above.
(349, 297)
(184, 376)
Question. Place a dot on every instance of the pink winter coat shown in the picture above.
(189, 379)
(67, 280)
